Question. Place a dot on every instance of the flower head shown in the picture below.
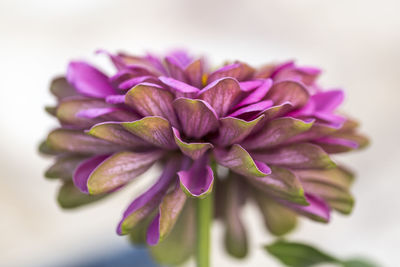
(274, 129)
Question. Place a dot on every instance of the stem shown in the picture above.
(204, 215)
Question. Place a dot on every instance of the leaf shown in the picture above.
(294, 254)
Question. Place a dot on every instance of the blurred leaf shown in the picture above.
(70, 197)
(295, 254)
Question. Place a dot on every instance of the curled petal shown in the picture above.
(145, 204)
(151, 100)
(155, 130)
(179, 87)
(197, 118)
(198, 180)
(247, 86)
(288, 91)
(234, 130)
(115, 133)
(119, 169)
(256, 108)
(88, 80)
(297, 156)
(276, 132)
(317, 210)
(221, 94)
(239, 160)
(85, 168)
(128, 84)
(168, 213)
(194, 72)
(192, 150)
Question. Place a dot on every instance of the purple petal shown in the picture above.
(234, 130)
(175, 69)
(198, 180)
(169, 211)
(115, 133)
(221, 94)
(336, 145)
(317, 209)
(196, 117)
(239, 160)
(150, 100)
(115, 99)
(128, 84)
(297, 156)
(144, 205)
(192, 150)
(288, 91)
(95, 112)
(250, 85)
(276, 132)
(88, 80)
(153, 129)
(328, 101)
(119, 169)
(256, 107)
(83, 171)
(180, 88)
(257, 95)
(239, 71)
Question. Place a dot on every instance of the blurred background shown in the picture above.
(356, 42)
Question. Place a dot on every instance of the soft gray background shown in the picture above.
(356, 43)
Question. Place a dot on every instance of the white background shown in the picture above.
(356, 43)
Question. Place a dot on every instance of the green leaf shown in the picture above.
(294, 254)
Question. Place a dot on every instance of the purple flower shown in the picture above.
(273, 128)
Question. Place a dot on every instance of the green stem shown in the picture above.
(204, 215)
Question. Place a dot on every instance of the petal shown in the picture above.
(88, 80)
(175, 68)
(179, 245)
(145, 204)
(119, 169)
(239, 71)
(221, 94)
(128, 84)
(196, 117)
(235, 238)
(115, 99)
(336, 145)
(150, 100)
(63, 140)
(258, 94)
(288, 91)
(253, 108)
(317, 209)
(194, 72)
(64, 167)
(155, 130)
(198, 180)
(82, 112)
(277, 218)
(328, 101)
(62, 89)
(169, 211)
(234, 130)
(276, 132)
(250, 85)
(282, 184)
(238, 160)
(181, 88)
(192, 150)
(297, 156)
(277, 110)
(69, 197)
(114, 132)
(83, 171)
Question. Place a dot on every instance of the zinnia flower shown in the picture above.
(273, 129)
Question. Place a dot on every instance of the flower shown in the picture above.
(274, 129)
